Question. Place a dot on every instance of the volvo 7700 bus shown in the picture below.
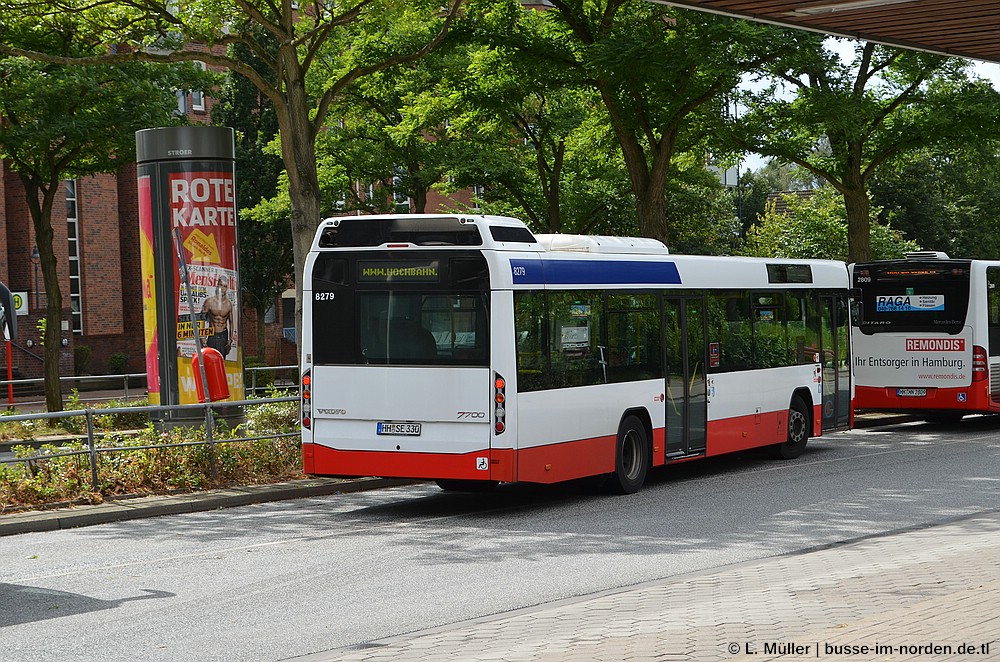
(926, 336)
(467, 350)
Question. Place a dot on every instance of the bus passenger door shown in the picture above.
(686, 400)
(836, 361)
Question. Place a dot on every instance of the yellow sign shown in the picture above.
(184, 330)
(20, 303)
(203, 247)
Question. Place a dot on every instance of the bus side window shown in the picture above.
(529, 325)
(576, 346)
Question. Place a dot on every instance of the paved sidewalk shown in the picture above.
(929, 594)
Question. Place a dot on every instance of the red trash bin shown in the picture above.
(215, 375)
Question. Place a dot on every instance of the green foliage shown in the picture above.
(183, 462)
(257, 378)
(118, 363)
(847, 119)
(816, 227)
(81, 359)
(945, 199)
(273, 417)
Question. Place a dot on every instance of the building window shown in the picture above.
(182, 104)
(478, 191)
(197, 96)
(288, 315)
(73, 235)
(400, 197)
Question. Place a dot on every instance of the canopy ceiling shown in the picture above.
(969, 28)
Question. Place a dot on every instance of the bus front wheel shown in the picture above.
(798, 432)
(631, 457)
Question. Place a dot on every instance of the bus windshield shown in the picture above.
(908, 296)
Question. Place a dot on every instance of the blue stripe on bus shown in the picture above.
(593, 272)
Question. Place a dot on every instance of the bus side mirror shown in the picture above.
(855, 312)
(8, 314)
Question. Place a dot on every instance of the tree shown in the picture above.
(59, 122)
(945, 199)
(266, 258)
(661, 74)
(322, 47)
(815, 226)
(848, 119)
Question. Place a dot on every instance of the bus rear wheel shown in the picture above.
(631, 458)
(798, 432)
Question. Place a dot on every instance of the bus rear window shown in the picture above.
(414, 328)
(365, 231)
(912, 296)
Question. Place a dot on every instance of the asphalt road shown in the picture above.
(280, 580)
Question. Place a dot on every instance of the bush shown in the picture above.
(81, 359)
(118, 363)
(183, 462)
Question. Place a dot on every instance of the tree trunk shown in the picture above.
(858, 211)
(648, 183)
(41, 218)
(298, 151)
(262, 337)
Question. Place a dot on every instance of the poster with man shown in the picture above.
(203, 211)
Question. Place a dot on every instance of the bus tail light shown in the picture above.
(305, 391)
(980, 364)
(499, 400)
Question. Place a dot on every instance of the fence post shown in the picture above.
(92, 445)
(209, 424)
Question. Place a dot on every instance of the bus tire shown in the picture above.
(457, 485)
(631, 457)
(798, 432)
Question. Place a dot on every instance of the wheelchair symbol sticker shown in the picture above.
(482, 464)
(961, 397)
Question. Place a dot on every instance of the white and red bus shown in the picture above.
(467, 350)
(926, 335)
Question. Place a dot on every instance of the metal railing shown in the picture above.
(107, 388)
(92, 450)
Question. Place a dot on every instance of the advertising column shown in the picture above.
(187, 201)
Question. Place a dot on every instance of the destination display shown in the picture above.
(399, 271)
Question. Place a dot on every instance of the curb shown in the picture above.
(153, 506)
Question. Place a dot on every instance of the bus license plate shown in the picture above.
(405, 429)
(911, 392)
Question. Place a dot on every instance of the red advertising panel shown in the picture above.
(203, 209)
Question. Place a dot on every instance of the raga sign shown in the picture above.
(909, 303)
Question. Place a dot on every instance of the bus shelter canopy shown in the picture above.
(966, 28)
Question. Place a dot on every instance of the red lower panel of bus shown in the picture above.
(552, 463)
(970, 400)
(566, 461)
(740, 433)
(324, 461)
